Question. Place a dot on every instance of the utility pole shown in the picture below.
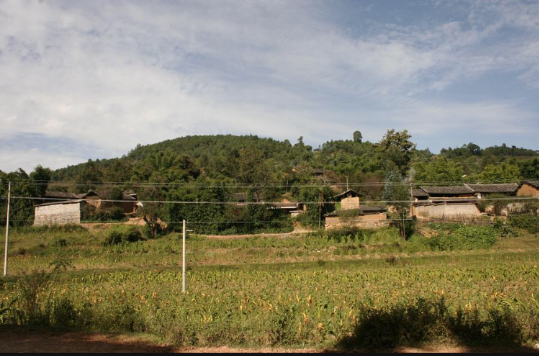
(183, 254)
(7, 228)
(347, 183)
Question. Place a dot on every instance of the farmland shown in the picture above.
(344, 290)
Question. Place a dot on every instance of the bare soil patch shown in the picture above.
(79, 342)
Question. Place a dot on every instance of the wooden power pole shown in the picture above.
(7, 228)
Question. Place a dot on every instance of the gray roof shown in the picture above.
(364, 210)
(453, 190)
(348, 192)
(420, 193)
(533, 183)
(494, 188)
(78, 201)
(60, 195)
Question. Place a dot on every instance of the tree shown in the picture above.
(398, 150)
(396, 192)
(530, 169)
(40, 177)
(440, 170)
(89, 178)
(358, 137)
(504, 173)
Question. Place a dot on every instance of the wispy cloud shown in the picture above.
(109, 75)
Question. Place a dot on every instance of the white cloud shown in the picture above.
(114, 74)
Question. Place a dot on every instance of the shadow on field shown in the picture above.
(430, 323)
(21, 341)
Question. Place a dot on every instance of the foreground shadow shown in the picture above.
(21, 341)
(412, 326)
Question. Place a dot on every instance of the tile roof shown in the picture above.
(453, 190)
(494, 188)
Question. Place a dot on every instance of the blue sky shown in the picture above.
(92, 79)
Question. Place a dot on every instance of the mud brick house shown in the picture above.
(352, 214)
(453, 202)
(529, 188)
(484, 190)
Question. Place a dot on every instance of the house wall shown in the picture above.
(58, 214)
(447, 211)
(350, 203)
(527, 191)
(96, 201)
(370, 221)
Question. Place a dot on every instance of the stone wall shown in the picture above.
(58, 214)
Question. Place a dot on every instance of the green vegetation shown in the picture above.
(217, 168)
(367, 289)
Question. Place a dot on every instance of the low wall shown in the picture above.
(447, 211)
(57, 214)
(371, 221)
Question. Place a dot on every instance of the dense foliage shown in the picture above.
(217, 168)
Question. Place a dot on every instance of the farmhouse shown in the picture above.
(59, 213)
(483, 190)
(529, 188)
(453, 202)
(349, 200)
(293, 208)
(66, 208)
(351, 214)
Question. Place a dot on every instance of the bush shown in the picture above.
(123, 236)
(526, 222)
(504, 229)
(465, 238)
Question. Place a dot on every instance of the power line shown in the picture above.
(224, 186)
(366, 202)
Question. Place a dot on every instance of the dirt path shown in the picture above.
(78, 342)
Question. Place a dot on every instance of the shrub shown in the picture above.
(123, 236)
(504, 229)
(526, 222)
(465, 238)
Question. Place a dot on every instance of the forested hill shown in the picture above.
(232, 158)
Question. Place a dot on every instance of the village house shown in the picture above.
(293, 208)
(66, 208)
(453, 202)
(459, 202)
(529, 188)
(350, 213)
(484, 190)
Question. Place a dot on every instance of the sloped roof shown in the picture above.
(349, 191)
(367, 209)
(77, 201)
(60, 195)
(420, 193)
(452, 190)
(494, 188)
(533, 183)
